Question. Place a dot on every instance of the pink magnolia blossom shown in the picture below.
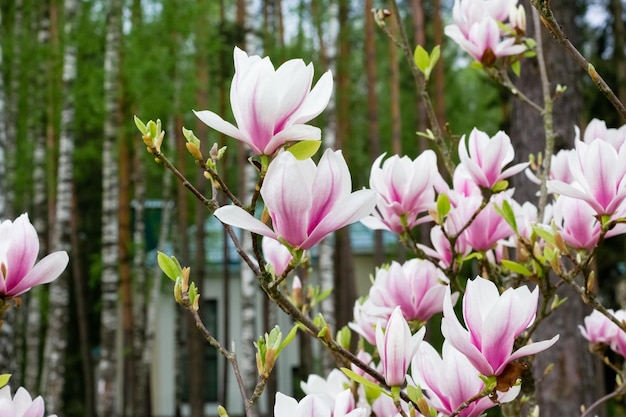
(486, 158)
(21, 405)
(488, 227)
(417, 287)
(19, 247)
(277, 255)
(405, 188)
(599, 172)
(493, 323)
(596, 129)
(450, 380)
(364, 318)
(326, 388)
(576, 223)
(314, 406)
(305, 202)
(271, 106)
(465, 13)
(484, 42)
(384, 406)
(441, 248)
(599, 329)
(396, 347)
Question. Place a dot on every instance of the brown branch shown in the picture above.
(550, 22)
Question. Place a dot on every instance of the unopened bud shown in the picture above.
(194, 150)
(296, 292)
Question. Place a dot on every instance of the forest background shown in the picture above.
(74, 72)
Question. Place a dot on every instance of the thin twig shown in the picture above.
(550, 22)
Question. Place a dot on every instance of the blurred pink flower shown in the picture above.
(417, 287)
(599, 172)
(493, 323)
(272, 106)
(488, 227)
(486, 159)
(21, 405)
(19, 247)
(304, 201)
(467, 12)
(404, 188)
(450, 380)
(396, 347)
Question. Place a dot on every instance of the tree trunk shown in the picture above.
(571, 382)
(56, 337)
(107, 367)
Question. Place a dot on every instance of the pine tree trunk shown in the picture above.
(571, 382)
(107, 368)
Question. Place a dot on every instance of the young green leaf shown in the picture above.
(305, 149)
(506, 211)
(4, 379)
(421, 58)
(516, 267)
(362, 380)
(169, 266)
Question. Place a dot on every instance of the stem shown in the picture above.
(620, 390)
(212, 204)
(420, 83)
(548, 120)
(550, 22)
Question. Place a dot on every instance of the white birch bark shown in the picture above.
(249, 288)
(107, 368)
(56, 336)
(7, 361)
(327, 245)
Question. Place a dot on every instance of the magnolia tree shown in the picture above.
(475, 224)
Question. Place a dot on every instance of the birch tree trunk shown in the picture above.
(326, 265)
(53, 376)
(107, 369)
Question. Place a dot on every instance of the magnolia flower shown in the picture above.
(326, 389)
(21, 405)
(599, 329)
(599, 172)
(486, 158)
(417, 287)
(450, 380)
(396, 347)
(276, 255)
(272, 106)
(19, 247)
(488, 227)
(596, 129)
(484, 42)
(384, 406)
(441, 249)
(576, 223)
(314, 406)
(364, 320)
(466, 13)
(404, 188)
(305, 202)
(493, 323)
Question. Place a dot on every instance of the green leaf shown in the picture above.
(362, 380)
(434, 56)
(516, 267)
(290, 336)
(420, 56)
(414, 393)
(140, 125)
(443, 206)
(169, 266)
(500, 186)
(544, 234)
(506, 211)
(4, 379)
(305, 148)
(516, 67)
